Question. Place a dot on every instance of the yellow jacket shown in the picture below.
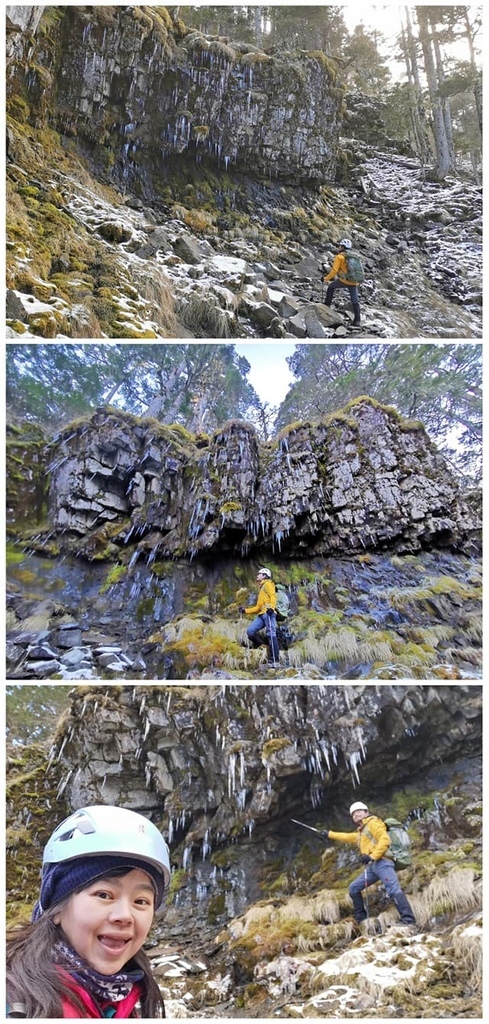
(339, 269)
(267, 598)
(375, 845)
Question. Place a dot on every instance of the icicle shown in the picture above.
(206, 846)
(63, 784)
(62, 748)
(241, 799)
(187, 858)
(354, 760)
(359, 735)
(51, 757)
(232, 774)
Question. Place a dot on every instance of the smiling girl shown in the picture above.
(104, 875)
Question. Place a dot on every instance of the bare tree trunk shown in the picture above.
(445, 102)
(200, 413)
(477, 76)
(443, 165)
(258, 25)
(168, 388)
(418, 114)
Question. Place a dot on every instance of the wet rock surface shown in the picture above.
(378, 618)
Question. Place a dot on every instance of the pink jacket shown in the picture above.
(123, 1009)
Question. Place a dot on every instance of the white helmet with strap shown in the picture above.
(264, 572)
(358, 807)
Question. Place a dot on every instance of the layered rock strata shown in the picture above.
(366, 479)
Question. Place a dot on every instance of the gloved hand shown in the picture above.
(241, 609)
(270, 611)
(324, 834)
(366, 859)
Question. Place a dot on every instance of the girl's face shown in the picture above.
(108, 922)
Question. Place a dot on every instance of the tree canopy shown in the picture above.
(200, 386)
(439, 384)
(32, 712)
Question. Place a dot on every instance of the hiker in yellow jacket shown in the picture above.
(372, 840)
(338, 276)
(264, 612)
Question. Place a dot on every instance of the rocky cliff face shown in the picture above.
(362, 481)
(137, 89)
(227, 762)
(21, 24)
(259, 901)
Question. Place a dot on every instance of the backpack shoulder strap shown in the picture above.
(367, 830)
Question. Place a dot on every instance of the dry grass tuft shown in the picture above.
(455, 891)
(205, 319)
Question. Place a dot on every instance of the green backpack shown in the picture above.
(354, 265)
(400, 848)
(283, 604)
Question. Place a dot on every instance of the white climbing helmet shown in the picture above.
(99, 830)
(358, 807)
(345, 243)
(264, 572)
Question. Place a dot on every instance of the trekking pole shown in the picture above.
(366, 900)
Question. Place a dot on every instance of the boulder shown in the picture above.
(188, 248)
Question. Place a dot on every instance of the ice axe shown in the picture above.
(311, 829)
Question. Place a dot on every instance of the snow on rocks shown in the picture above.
(362, 977)
(421, 245)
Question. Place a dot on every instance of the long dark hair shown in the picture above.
(35, 982)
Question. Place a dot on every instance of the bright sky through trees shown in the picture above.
(387, 18)
(269, 375)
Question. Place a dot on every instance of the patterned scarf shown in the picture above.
(111, 988)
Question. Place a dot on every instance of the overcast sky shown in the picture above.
(270, 374)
